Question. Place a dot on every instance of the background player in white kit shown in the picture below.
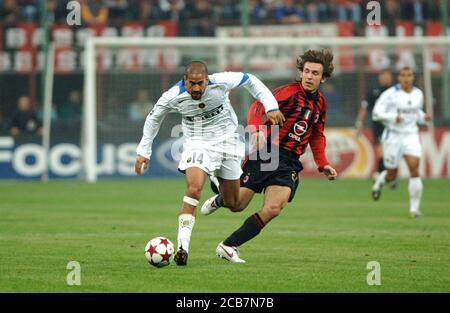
(400, 109)
(212, 146)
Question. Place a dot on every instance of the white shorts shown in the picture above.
(220, 160)
(396, 145)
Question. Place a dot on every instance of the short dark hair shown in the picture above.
(406, 68)
(324, 57)
(385, 70)
(196, 67)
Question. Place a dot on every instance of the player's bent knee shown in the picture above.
(415, 173)
(194, 192)
(390, 176)
(274, 209)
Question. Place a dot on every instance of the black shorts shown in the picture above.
(286, 174)
(377, 131)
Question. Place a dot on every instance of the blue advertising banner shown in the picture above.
(27, 160)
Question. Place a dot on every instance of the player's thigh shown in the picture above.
(412, 162)
(392, 151)
(276, 197)
(412, 152)
(195, 179)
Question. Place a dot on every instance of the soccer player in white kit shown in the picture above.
(400, 109)
(211, 146)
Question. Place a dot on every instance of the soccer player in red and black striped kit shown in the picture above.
(304, 109)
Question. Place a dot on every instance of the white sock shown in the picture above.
(185, 224)
(380, 181)
(415, 188)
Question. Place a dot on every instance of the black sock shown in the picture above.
(251, 227)
(380, 166)
(218, 201)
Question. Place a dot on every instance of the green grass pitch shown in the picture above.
(322, 241)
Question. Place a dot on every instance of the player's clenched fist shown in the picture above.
(330, 172)
(276, 117)
(141, 164)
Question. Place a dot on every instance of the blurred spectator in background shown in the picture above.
(24, 119)
(229, 11)
(9, 12)
(71, 109)
(148, 11)
(29, 10)
(288, 13)
(434, 12)
(257, 11)
(118, 11)
(414, 11)
(115, 12)
(94, 12)
(56, 11)
(318, 11)
(389, 12)
(349, 10)
(170, 9)
(140, 107)
(202, 20)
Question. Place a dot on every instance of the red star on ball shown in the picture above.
(165, 256)
(151, 250)
(164, 241)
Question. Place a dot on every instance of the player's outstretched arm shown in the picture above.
(153, 122)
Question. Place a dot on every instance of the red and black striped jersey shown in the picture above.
(305, 115)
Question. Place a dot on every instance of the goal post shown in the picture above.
(116, 68)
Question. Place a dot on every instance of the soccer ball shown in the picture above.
(159, 251)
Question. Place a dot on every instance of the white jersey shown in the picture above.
(396, 102)
(211, 119)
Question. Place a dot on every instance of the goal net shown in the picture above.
(124, 77)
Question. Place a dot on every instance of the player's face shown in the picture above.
(195, 84)
(312, 76)
(406, 79)
(385, 78)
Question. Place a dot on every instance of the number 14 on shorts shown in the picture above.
(197, 157)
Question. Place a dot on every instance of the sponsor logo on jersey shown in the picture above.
(205, 115)
(300, 128)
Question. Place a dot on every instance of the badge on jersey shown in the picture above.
(202, 105)
(316, 118)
